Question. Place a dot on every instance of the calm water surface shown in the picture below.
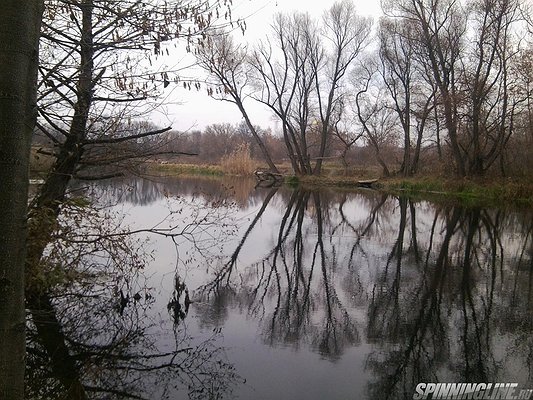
(293, 294)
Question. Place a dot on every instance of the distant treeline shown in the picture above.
(220, 140)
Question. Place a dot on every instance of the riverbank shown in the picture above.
(467, 191)
(184, 169)
(497, 191)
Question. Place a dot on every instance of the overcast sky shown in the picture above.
(196, 110)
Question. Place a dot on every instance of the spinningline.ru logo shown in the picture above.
(475, 391)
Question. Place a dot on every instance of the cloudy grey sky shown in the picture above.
(195, 110)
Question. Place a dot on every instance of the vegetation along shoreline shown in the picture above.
(467, 191)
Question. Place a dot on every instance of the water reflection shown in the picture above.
(178, 306)
(464, 312)
(440, 293)
(98, 329)
(146, 191)
(412, 291)
(81, 348)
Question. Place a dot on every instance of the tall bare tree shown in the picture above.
(376, 116)
(285, 77)
(347, 34)
(468, 49)
(440, 27)
(19, 37)
(300, 73)
(491, 104)
(411, 92)
(396, 54)
(227, 64)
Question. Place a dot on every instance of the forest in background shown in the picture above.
(433, 87)
(446, 78)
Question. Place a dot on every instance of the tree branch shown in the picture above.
(126, 138)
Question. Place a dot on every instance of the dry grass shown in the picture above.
(183, 169)
(239, 162)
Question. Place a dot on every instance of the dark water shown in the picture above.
(289, 294)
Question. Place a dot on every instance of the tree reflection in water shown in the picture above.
(425, 292)
(448, 318)
(296, 279)
(98, 331)
(90, 351)
(440, 293)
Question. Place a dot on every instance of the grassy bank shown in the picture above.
(495, 191)
(184, 169)
(488, 191)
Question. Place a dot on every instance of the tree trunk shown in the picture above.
(377, 151)
(406, 164)
(48, 203)
(437, 132)
(46, 209)
(293, 157)
(264, 150)
(322, 150)
(451, 125)
(51, 336)
(416, 155)
(19, 55)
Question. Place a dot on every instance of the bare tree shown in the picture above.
(440, 28)
(396, 55)
(346, 131)
(300, 73)
(375, 115)
(226, 62)
(285, 76)
(411, 92)
(347, 34)
(468, 50)
(491, 109)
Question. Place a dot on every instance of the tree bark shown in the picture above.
(19, 54)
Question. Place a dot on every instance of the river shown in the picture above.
(279, 293)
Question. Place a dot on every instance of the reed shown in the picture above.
(239, 162)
